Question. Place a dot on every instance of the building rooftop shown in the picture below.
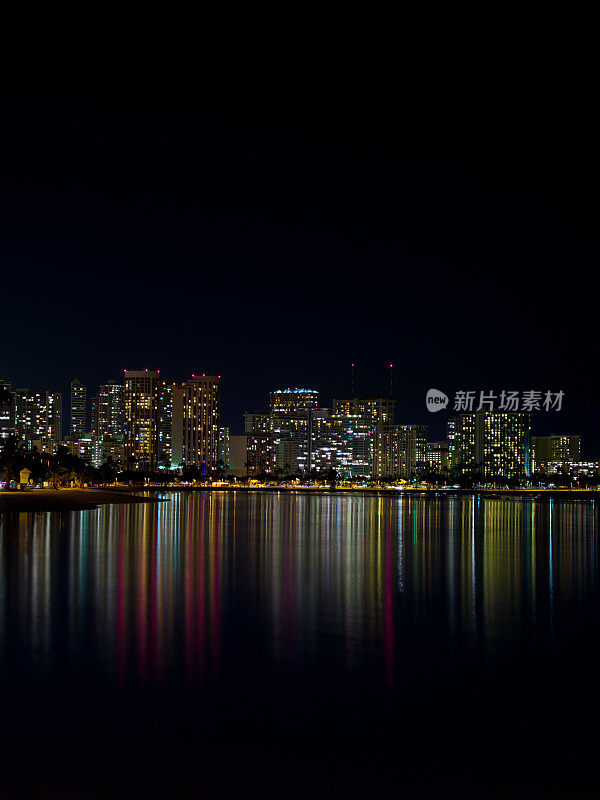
(295, 391)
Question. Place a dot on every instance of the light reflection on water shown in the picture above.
(322, 646)
(176, 591)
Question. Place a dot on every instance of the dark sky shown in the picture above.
(426, 197)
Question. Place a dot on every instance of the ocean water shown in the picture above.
(223, 644)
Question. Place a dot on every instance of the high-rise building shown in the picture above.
(238, 454)
(53, 420)
(308, 438)
(317, 440)
(547, 450)
(491, 444)
(575, 469)
(400, 451)
(27, 415)
(111, 410)
(165, 423)
(94, 413)
(385, 452)
(114, 450)
(141, 394)
(224, 453)
(294, 436)
(379, 411)
(437, 456)
(288, 425)
(196, 408)
(252, 454)
(7, 409)
(78, 408)
(343, 443)
(260, 453)
(462, 443)
(37, 415)
(89, 448)
(412, 442)
(288, 402)
(257, 422)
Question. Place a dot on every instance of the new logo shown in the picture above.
(436, 400)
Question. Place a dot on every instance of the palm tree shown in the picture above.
(12, 457)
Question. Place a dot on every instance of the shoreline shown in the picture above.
(40, 500)
(538, 494)
(67, 499)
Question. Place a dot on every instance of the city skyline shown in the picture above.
(152, 423)
(233, 409)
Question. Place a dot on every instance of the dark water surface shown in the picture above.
(267, 645)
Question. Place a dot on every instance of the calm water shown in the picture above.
(270, 645)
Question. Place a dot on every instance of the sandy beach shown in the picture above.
(66, 499)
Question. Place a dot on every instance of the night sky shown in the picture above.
(429, 200)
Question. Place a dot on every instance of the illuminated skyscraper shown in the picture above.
(317, 440)
(88, 447)
(252, 454)
(26, 414)
(400, 451)
(556, 448)
(78, 408)
(490, 444)
(7, 409)
(224, 449)
(503, 443)
(196, 410)
(462, 443)
(344, 443)
(293, 437)
(288, 402)
(114, 450)
(109, 426)
(437, 456)
(111, 410)
(257, 422)
(385, 452)
(165, 423)
(38, 415)
(308, 438)
(141, 419)
(412, 442)
(94, 402)
(379, 412)
(53, 416)
(288, 423)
